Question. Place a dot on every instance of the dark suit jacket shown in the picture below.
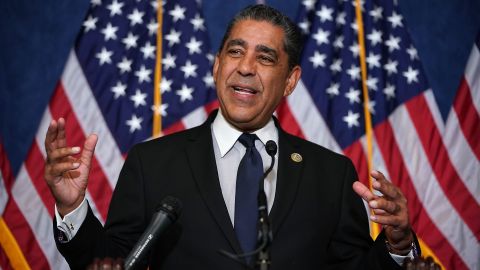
(318, 222)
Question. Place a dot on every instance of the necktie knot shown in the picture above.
(248, 140)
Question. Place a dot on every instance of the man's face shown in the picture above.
(252, 75)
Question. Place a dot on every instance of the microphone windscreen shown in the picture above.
(271, 148)
(171, 206)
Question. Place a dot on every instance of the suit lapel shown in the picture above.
(288, 178)
(201, 159)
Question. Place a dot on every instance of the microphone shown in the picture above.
(264, 232)
(166, 214)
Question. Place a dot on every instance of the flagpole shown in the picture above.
(374, 227)
(157, 97)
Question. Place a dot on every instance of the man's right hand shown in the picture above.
(65, 174)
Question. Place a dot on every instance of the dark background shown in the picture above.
(36, 36)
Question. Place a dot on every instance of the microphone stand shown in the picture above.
(265, 235)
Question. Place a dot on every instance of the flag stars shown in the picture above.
(321, 36)
(389, 91)
(354, 26)
(340, 20)
(148, 51)
(90, 23)
(125, 65)
(165, 85)
(130, 41)
(109, 32)
(169, 61)
(189, 70)
(373, 60)
(143, 74)
(336, 66)
(354, 72)
(173, 37)
(411, 75)
(208, 80)
(375, 37)
(134, 123)
(393, 43)
(338, 43)
(353, 95)
(371, 106)
(194, 46)
(139, 98)
(104, 56)
(198, 23)
(372, 83)
(391, 67)
(185, 93)
(376, 13)
(395, 20)
(135, 17)
(325, 14)
(355, 49)
(160, 109)
(178, 13)
(309, 4)
(318, 59)
(333, 90)
(352, 119)
(115, 8)
(152, 27)
(305, 26)
(119, 90)
(412, 52)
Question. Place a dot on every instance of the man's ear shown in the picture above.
(215, 67)
(292, 80)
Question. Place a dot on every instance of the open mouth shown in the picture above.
(243, 90)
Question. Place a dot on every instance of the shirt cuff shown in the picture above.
(72, 221)
(400, 259)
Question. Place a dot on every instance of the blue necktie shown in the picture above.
(249, 174)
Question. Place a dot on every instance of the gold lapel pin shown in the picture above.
(296, 157)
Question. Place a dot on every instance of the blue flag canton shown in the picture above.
(187, 81)
(331, 63)
(117, 52)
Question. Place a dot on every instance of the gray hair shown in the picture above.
(293, 41)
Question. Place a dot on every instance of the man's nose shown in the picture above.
(247, 65)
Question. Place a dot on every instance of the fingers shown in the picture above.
(106, 264)
(61, 153)
(363, 191)
(88, 149)
(55, 137)
(384, 186)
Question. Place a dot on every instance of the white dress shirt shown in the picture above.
(229, 152)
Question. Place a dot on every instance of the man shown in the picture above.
(317, 219)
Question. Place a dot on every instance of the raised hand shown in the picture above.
(66, 172)
(389, 210)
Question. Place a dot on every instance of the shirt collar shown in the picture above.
(226, 135)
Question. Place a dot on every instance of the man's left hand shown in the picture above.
(389, 210)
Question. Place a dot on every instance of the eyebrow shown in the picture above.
(258, 48)
(237, 42)
(267, 50)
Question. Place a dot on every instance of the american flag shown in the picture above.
(436, 164)
(112, 77)
(108, 87)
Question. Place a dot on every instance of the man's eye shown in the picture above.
(266, 59)
(234, 52)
